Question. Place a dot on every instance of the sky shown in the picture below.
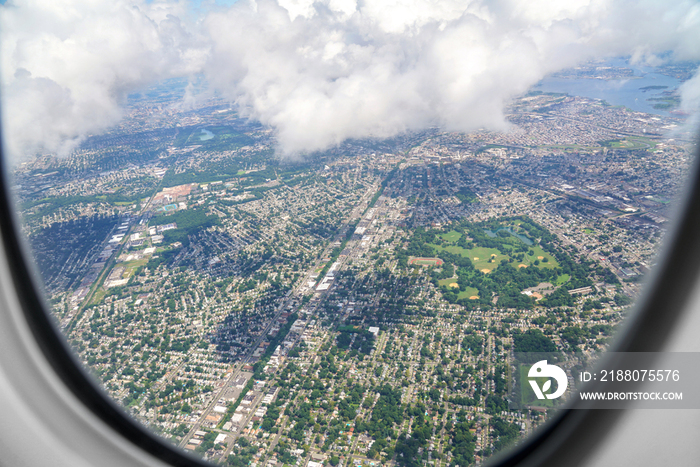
(317, 72)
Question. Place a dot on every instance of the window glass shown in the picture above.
(318, 232)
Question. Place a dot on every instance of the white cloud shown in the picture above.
(320, 71)
(67, 65)
(319, 74)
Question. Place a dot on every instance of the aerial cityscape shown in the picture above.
(357, 305)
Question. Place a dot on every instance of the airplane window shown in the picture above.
(321, 233)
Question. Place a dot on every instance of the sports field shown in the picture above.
(470, 292)
(539, 254)
(563, 279)
(482, 258)
(528, 397)
(451, 236)
(169, 207)
(425, 261)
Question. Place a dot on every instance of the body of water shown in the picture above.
(206, 136)
(522, 238)
(627, 92)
